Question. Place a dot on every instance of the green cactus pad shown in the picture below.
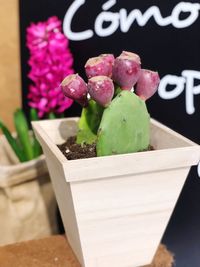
(124, 127)
(89, 123)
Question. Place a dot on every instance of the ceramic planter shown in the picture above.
(115, 209)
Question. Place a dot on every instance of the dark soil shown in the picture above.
(71, 150)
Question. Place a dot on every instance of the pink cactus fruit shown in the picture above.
(147, 84)
(101, 89)
(108, 58)
(126, 70)
(99, 66)
(74, 87)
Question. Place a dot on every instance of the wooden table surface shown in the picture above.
(55, 251)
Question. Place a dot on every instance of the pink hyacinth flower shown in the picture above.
(126, 70)
(74, 87)
(99, 66)
(147, 84)
(50, 61)
(101, 89)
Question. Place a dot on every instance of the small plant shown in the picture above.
(114, 114)
(50, 61)
(24, 143)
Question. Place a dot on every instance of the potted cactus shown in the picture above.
(116, 205)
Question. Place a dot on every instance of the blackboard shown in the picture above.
(166, 36)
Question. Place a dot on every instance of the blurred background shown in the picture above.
(166, 36)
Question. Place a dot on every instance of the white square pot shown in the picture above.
(115, 209)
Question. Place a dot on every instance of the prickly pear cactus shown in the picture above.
(89, 123)
(124, 127)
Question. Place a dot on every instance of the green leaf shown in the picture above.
(33, 114)
(51, 116)
(22, 129)
(37, 150)
(13, 143)
(89, 123)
